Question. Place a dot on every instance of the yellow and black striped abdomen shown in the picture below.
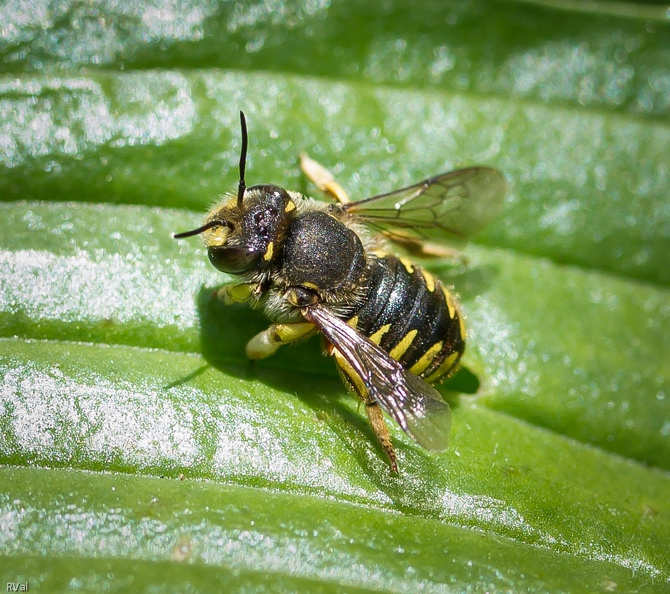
(412, 317)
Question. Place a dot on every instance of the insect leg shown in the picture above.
(322, 178)
(372, 408)
(237, 293)
(418, 247)
(267, 342)
(378, 424)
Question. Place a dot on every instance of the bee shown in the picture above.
(314, 267)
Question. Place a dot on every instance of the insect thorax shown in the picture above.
(322, 253)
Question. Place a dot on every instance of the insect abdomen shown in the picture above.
(412, 317)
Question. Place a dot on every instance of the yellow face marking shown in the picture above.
(408, 264)
(356, 379)
(377, 336)
(267, 256)
(310, 285)
(447, 366)
(290, 206)
(216, 237)
(401, 348)
(422, 364)
(353, 322)
(429, 278)
(451, 304)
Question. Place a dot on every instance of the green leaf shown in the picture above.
(118, 365)
(149, 532)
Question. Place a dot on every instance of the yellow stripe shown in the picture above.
(461, 325)
(429, 278)
(268, 253)
(447, 366)
(377, 336)
(422, 364)
(290, 206)
(408, 264)
(353, 322)
(356, 379)
(451, 304)
(401, 348)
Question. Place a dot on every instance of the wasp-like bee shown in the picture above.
(315, 267)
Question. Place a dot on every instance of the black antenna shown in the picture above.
(199, 230)
(243, 159)
(240, 188)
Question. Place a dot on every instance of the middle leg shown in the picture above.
(266, 343)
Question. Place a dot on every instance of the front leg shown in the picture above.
(239, 293)
(267, 342)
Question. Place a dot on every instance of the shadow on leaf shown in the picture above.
(225, 329)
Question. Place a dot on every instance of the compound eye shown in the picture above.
(234, 260)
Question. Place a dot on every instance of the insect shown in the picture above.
(317, 267)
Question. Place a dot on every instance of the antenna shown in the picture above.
(243, 159)
(240, 188)
(199, 230)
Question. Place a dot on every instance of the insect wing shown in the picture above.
(416, 406)
(445, 208)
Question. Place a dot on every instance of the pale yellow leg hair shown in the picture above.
(266, 343)
(322, 178)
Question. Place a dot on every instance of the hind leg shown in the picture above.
(382, 434)
(357, 385)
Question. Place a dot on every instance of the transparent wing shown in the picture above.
(445, 208)
(415, 405)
